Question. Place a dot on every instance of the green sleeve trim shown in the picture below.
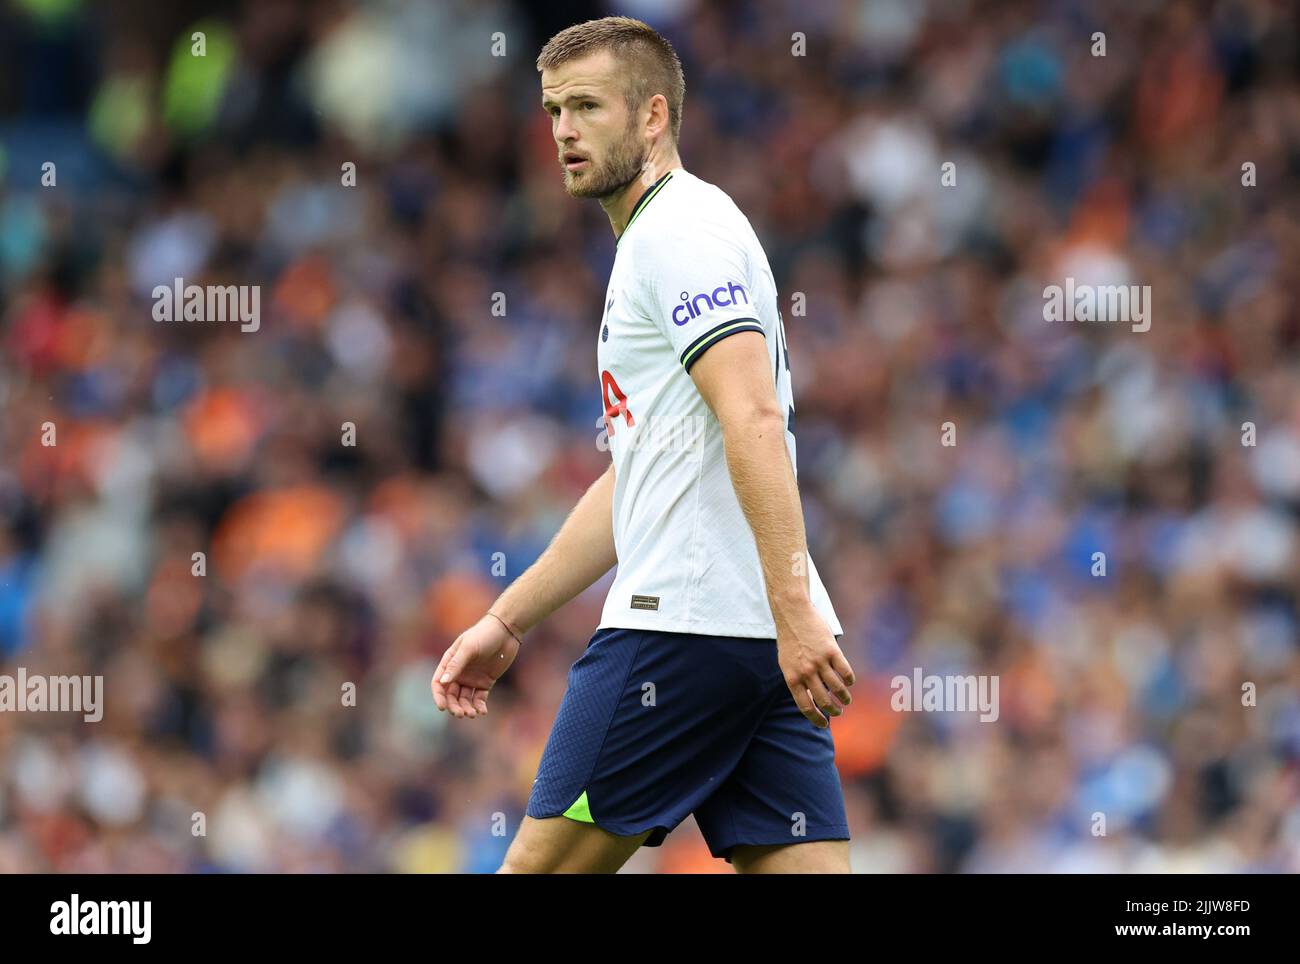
(710, 338)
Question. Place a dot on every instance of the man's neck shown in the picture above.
(619, 207)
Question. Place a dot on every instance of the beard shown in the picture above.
(625, 162)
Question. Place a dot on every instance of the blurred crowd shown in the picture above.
(383, 171)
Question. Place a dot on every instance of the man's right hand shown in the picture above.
(814, 667)
(471, 666)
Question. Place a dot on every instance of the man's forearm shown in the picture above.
(579, 554)
(765, 485)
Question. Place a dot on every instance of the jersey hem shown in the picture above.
(704, 627)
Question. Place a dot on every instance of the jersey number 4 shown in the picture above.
(615, 406)
(616, 401)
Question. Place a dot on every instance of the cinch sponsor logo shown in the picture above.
(720, 297)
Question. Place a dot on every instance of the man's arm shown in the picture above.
(735, 379)
(579, 554)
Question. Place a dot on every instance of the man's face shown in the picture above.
(600, 146)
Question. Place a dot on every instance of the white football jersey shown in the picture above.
(688, 272)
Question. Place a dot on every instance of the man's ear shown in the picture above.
(659, 113)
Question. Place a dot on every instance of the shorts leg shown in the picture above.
(784, 790)
(650, 726)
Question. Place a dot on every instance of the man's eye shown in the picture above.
(589, 104)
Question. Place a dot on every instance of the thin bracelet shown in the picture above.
(508, 629)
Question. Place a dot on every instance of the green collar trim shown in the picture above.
(645, 199)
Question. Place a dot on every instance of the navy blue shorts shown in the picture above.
(655, 726)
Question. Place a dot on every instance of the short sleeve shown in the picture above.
(698, 291)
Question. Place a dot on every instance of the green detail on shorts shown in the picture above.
(580, 810)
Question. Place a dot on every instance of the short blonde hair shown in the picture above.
(652, 62)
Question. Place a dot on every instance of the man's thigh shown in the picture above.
(558, 845)
(813, 857)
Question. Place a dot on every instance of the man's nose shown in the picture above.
(564, 129)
